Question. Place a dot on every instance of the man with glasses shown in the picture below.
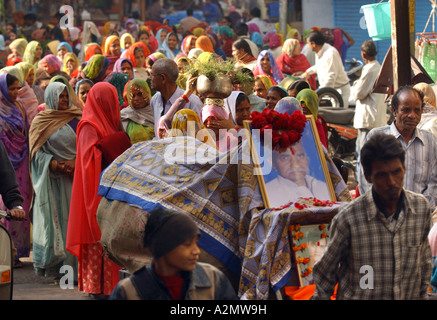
(163, 79)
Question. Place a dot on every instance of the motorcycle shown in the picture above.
(329, 97)
(6, 260)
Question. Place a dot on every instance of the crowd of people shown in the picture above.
(72, 100)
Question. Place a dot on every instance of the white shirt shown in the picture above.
(158, 105)
(370, 108)
(281, 191)
(329, 68)
(420, 163)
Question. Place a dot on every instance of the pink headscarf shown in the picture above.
(51, 63)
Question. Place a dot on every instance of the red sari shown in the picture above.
(97, 274)
(291, 65)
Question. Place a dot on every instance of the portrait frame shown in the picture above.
(265, 172)
(308, 242)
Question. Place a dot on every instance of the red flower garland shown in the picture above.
(286, 129)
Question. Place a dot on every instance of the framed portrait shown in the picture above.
(308, 243)
(285, 175)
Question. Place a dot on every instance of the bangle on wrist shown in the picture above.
(185, 98)
(18, 207)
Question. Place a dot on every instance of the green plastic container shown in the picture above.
(430, 59)
(378, 20)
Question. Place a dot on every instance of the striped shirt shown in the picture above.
(372, 258)
(420, 163)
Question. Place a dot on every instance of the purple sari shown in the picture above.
(13, 133)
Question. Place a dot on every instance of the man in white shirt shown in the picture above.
(293, 180)
(370, 108)
(328, 66)
(163, 79)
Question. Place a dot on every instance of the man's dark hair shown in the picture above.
(256, 12)
(317, 37)
(190, 11)
(282, 92)
(369, 48)
(242, 44)
(395, 99)
(382, 147)
(299, 85)
(241, 29)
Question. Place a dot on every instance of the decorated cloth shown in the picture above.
(288, 105)
(51, 138)
(96, 68)
(223, 198)
(138, 123)
(275, 75)
(50, 63)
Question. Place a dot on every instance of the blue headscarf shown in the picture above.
(257, 38)
(66, 45)
(277, 74)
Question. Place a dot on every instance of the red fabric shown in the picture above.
(112, 146)
(131, 56)
(91, 50)
(322, 129)
(101, 118)
(174, 284)
(291, 65)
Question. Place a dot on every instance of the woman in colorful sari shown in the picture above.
(50, 63)
(25, 93)
(14, 131)
(188, 43)
(52, 141)
(126, 40)
(266, 65)
(62, 49)
(217, 45)
(92, 49)
(137, 54)
(76, 102)
(204, 43)
(227, 38)
(124, 65)
(119, 81)
(275, 45)
(309, 102)
(262, 84)
(112, 50)
(29, 75)
(171, 45)
(18, 47)
(242, 53)
(70, 64)
(97, 68)
(293, 62)
(137, 119)
(83, 87)
(98, 138)
(33, 53)
(161, 34)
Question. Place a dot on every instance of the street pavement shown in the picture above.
(28, 286)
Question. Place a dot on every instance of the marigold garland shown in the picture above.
(285, 129)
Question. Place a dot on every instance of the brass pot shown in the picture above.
(221, 87)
